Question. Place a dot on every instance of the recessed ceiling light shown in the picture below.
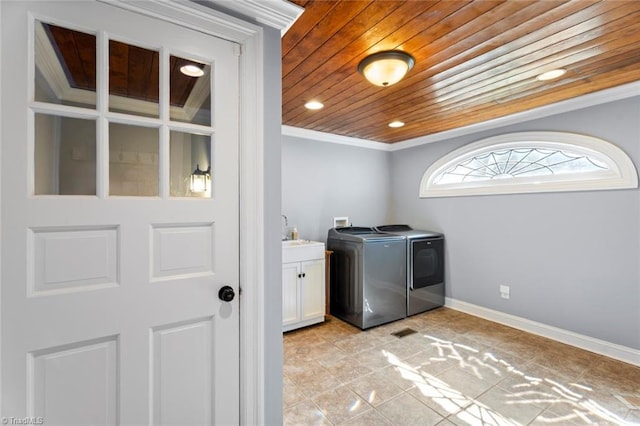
(191, 70)
(314, 105)
(396, 124)
(550, 75)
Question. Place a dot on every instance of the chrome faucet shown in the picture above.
(284, 230)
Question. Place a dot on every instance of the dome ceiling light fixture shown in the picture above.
(387, 67)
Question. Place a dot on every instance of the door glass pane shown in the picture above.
(133, 160)
(65, 156)
(133, 79)
(190, 91)
(65, 66)
(190, 161)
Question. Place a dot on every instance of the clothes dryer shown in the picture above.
(425, 267)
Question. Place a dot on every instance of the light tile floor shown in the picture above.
(457, 369)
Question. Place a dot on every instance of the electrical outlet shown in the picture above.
(505, 291)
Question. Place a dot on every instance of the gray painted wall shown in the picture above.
(571, 259)
(321, 181)
(272, 304)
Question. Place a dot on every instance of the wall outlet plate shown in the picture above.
(505, 291)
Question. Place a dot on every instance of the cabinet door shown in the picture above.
(290, 296)
(313, 286)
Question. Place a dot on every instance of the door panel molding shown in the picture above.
(66, 373)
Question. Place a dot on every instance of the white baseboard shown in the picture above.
(612, 350)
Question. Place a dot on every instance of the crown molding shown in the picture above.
(596, 98)
(299, 132)
(278, 14)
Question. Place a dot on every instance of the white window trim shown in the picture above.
(621, 174)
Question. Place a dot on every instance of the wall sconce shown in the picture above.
(386, 68)
(200, 179)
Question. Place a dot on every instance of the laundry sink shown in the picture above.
(294, 243)
(298, 250)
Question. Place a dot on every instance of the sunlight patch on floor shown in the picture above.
(542, 390)
(447, 397)
(447, 370)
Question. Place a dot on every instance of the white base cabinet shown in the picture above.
(303, 285)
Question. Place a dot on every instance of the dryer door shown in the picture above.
(427, 262)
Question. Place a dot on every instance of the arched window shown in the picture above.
(530, 162)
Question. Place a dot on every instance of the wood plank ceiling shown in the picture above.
(134, 71)
(475, 60)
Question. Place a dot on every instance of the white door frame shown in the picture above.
(277, 14)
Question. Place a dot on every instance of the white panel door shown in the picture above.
(111, 262)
